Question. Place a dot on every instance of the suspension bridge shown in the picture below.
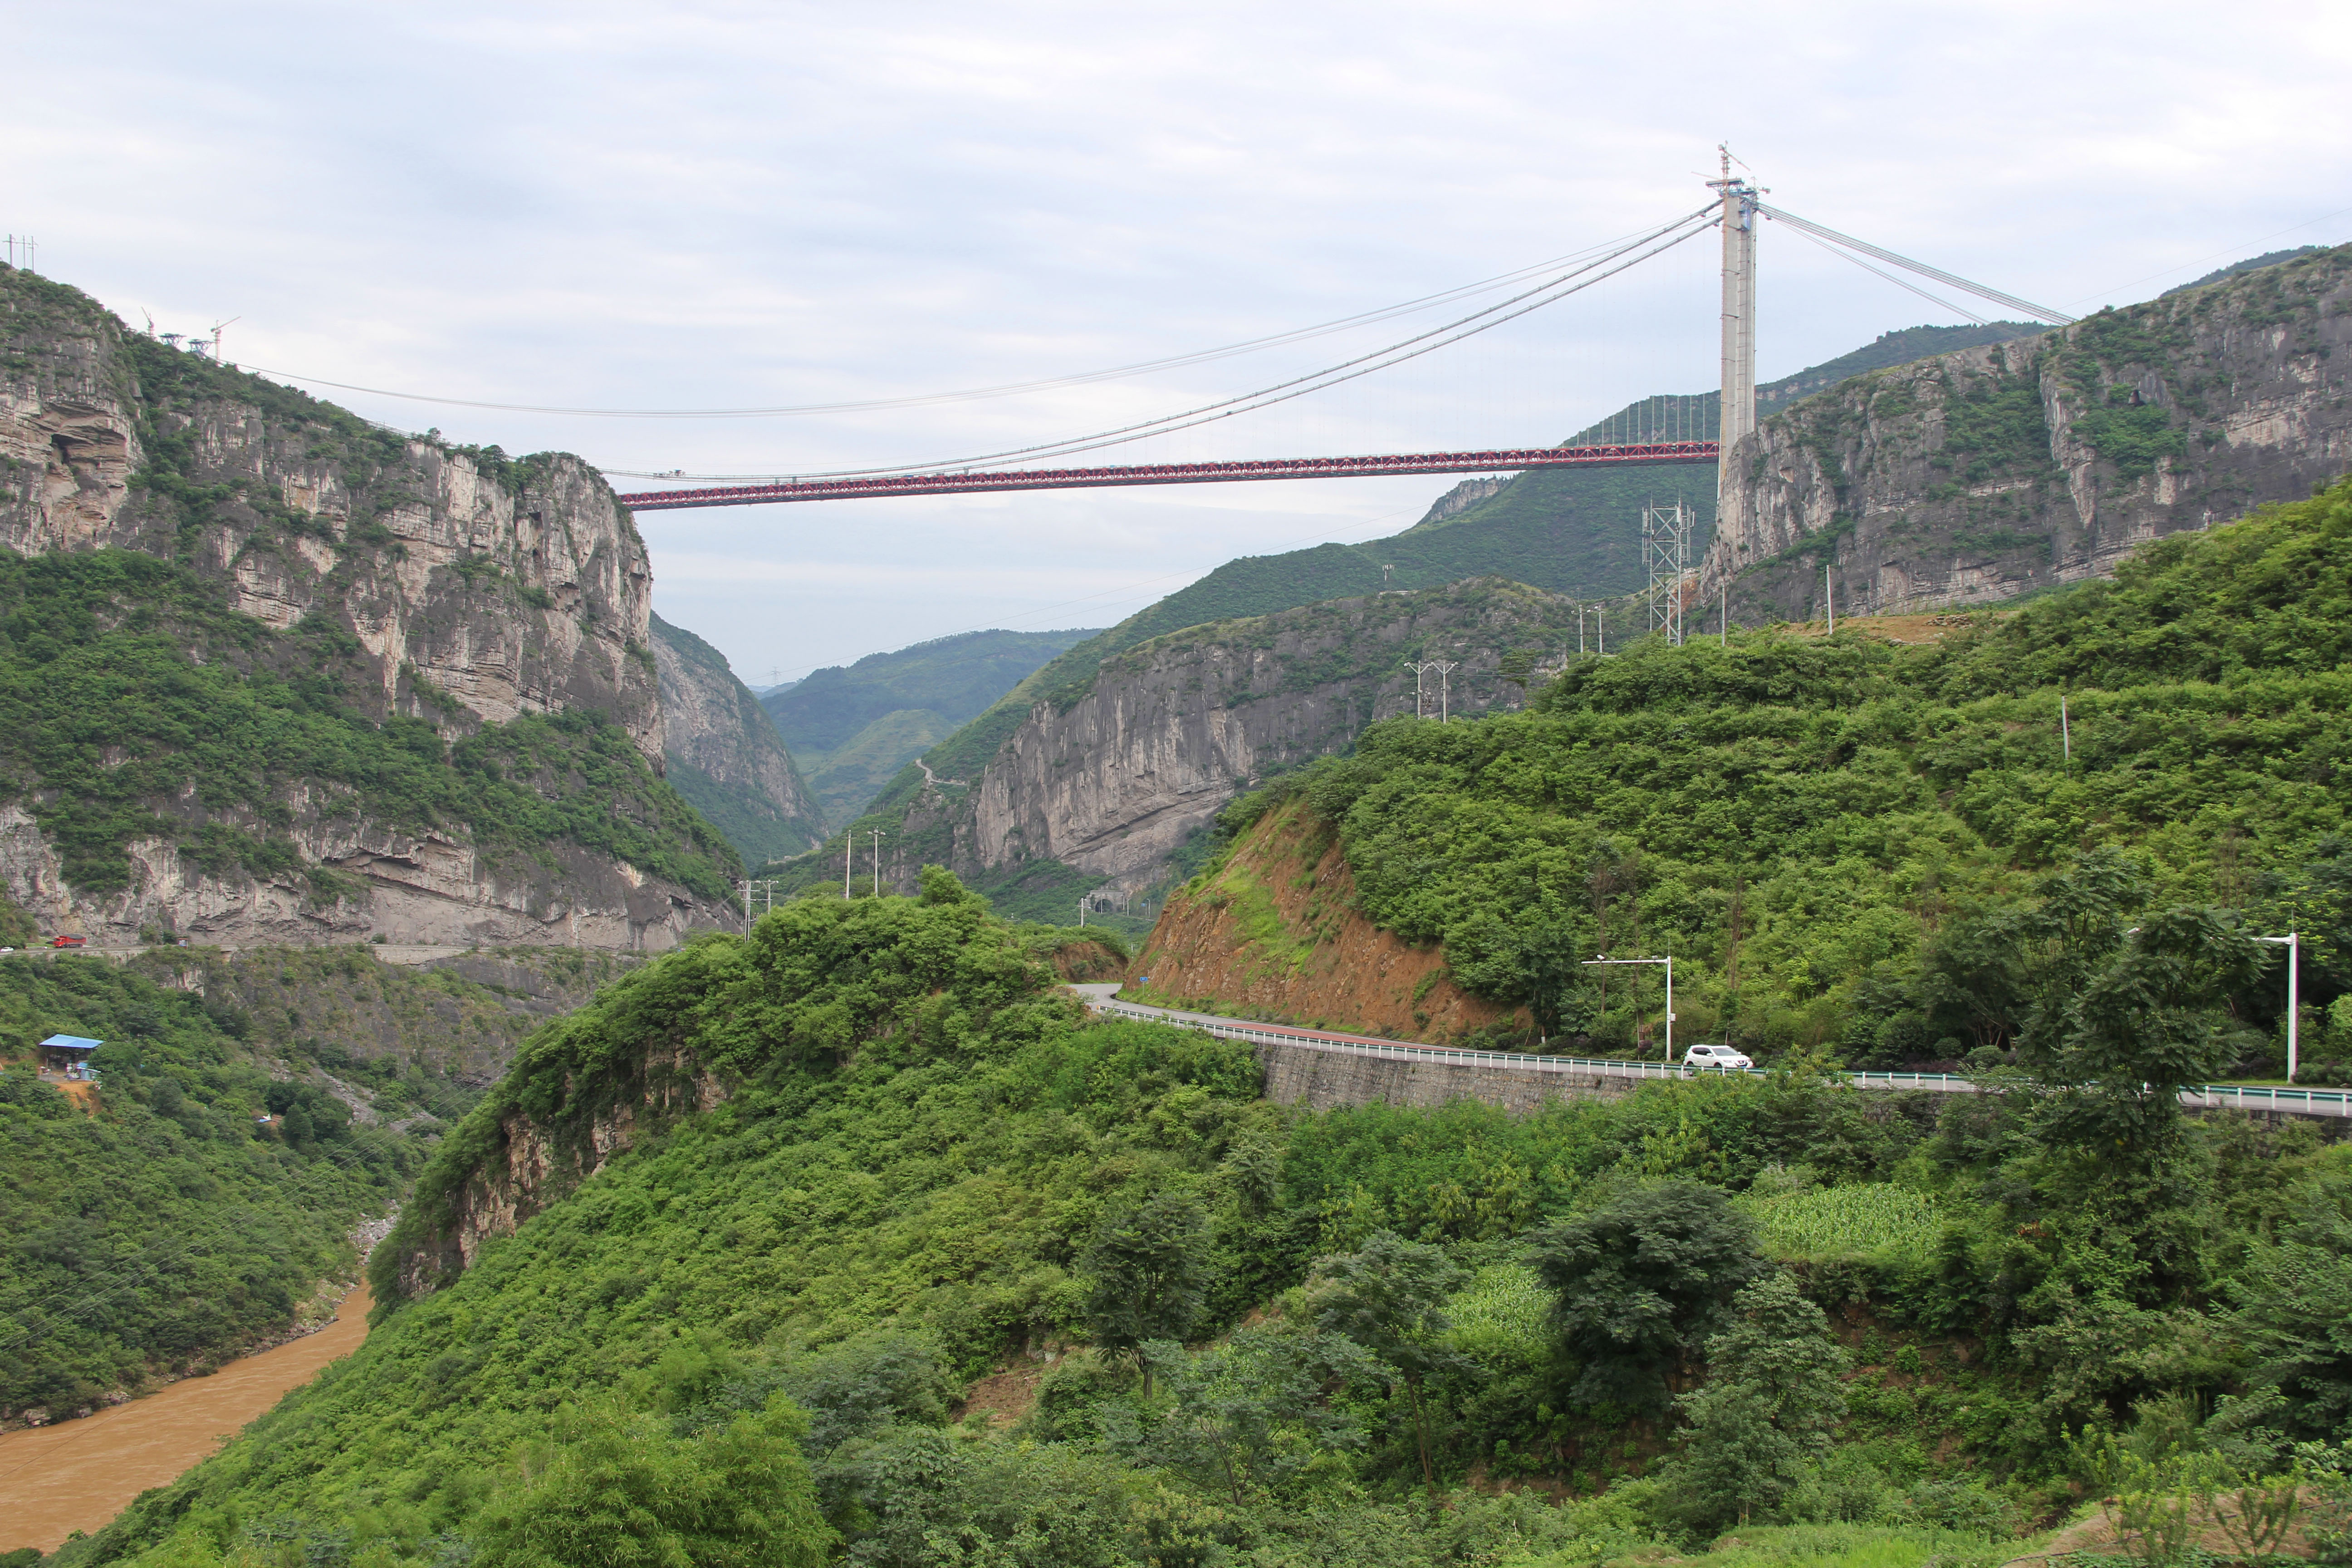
(1669, 436)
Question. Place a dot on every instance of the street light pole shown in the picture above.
(1669, 963)
(2293, 942)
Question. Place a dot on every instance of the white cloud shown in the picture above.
(721, 204)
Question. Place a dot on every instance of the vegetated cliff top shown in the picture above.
(307, 655)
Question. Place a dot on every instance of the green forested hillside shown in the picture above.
(162, 1229)
(1866, 1330)
(124, 683)
(854, 728)
(1900, 853)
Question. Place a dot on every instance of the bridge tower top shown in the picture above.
(1739, 218)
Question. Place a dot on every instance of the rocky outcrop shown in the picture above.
(1977, 476)
(1275, 933)
(724, 753)
(1169, 732)
(454, 585)
(530, 1162)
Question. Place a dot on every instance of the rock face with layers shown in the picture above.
(1112, 782)
(461, 586)
(1977, 476)
(529, 1163)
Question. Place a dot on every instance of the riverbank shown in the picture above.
(77, 1475)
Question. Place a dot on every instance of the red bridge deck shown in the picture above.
(970, 481)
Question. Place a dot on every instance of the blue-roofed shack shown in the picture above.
(70, 1052)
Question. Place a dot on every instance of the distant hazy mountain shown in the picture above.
(853, 728)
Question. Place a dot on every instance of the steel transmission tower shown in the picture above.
(1665, 552)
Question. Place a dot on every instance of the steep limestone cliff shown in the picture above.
(1114, 782)
(1104, 782)
(1984, 474)
(410, 580)
(724, 753)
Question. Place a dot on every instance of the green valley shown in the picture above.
(857, 727)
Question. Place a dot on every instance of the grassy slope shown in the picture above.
(761, 828)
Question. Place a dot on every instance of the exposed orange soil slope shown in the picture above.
(1275, 933)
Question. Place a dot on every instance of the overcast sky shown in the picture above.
(698, 206)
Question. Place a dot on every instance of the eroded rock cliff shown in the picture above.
(1977, 476)
(421, 582)
(525, 1156)
(1106, 781)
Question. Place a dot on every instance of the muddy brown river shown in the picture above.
(77, 1475)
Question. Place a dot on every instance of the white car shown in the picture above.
(1717, 1058)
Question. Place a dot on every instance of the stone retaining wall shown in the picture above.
(1321, 1080)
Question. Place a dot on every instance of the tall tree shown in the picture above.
(1641, 1282)
(1774, 1395)
(1386, 1298)
(1147, 1266)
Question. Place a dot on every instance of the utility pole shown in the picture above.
(1444, 687)
(848, 848)
(877, 862)
(1829, 597)
(2293, 942)
(760, 889)
(1724, 629)
(2065, 730)
(1739, 400)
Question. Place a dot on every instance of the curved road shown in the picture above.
(1104, 998)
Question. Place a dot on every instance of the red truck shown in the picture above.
(69, 941)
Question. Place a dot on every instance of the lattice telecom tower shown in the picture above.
(1665, 551)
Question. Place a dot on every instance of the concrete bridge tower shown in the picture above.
(1738, 406)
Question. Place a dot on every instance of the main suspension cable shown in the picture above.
(1011, 389)
(1653, 243)
(1879, 272)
